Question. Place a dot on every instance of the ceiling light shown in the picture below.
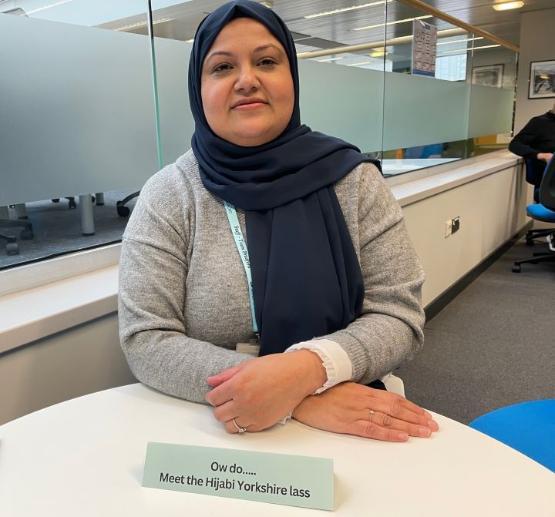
(483, 46)
(463, 50)
(506, 6)
(406, 20)
(378, 52)
(329, 59)
(459, 41)
(345, 9)
(143, 24)
(359, 64)
(56, 4)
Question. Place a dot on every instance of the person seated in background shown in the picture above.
(325, 292)
(536, 142)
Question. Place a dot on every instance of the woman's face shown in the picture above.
(246, 85)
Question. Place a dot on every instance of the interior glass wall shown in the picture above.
(76, 123)
(462, 109)
(94, 102)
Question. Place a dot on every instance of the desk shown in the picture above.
(85, 458)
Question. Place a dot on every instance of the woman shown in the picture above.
(325, 290)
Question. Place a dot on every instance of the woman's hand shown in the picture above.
(260, 392)
(351, 408)
(546, 157)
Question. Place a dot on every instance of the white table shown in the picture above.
(85, 457)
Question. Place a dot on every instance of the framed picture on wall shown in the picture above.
(542, 80)
(489, 75)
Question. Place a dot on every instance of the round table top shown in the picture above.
(85, 457)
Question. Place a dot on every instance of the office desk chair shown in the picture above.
(527, 427)
(7, 224)
(544, 210)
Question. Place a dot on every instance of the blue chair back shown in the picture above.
(528, 427)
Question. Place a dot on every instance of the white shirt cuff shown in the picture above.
(334, 359)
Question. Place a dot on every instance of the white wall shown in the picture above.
(491, 211)
(537, 43)
(69, 364)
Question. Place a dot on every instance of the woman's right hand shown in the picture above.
(352, 408)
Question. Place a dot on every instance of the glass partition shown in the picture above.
(462, 108)
(93, 106)
(492, 96)
(76, 122)
(339, 94)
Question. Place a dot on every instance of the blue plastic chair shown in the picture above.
(528, 427)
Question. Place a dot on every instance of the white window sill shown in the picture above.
(413, 187)
(42, 311)
(83, 286)
(80, 287)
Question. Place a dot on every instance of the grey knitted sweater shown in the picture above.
(183, 299)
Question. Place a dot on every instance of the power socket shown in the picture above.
(455, 224)
(451, 226)
(448, 228)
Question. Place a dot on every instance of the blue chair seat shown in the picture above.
(528, 427)
(540, 212)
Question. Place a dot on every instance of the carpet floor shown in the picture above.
(493, 345)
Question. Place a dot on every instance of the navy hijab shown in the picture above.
(306, 276)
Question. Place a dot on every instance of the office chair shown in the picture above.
(124, 211)
(72, 205)
(534, 174)
(544, 211)
(11, 240)
(526, 427)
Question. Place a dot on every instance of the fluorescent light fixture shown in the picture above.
(143, 24)
(345, 9)
(463, 51)
(329, 59)
(49, 6)
(378, 52)
(506, 6)
(406, 20)
(483, 46)
(459, 40)
(359, 64)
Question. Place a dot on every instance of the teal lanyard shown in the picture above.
(243, 253)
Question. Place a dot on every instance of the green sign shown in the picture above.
(258, 476)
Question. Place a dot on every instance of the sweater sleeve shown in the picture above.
(152, 290)
(390, 328)
(523, 143)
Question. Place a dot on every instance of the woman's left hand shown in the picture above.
(260, 392)
(351, 408)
